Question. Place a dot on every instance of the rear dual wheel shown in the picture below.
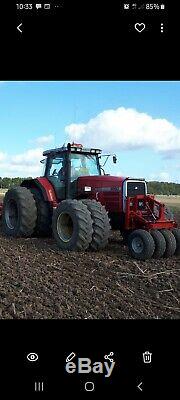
(44, 215)
(19, 214)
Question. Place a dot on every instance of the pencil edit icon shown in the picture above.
(70, 357)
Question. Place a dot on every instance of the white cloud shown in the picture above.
(10, 170)
(29, 157)
(165, 177)
(23, 164)
(161, 176)
(43, 140)
(2, 156)
(76, 130)
(127, 129)
(119, 173)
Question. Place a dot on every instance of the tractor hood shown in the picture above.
(106, 189)
(110, 190)
(100, 183)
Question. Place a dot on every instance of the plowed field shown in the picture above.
(37, 280)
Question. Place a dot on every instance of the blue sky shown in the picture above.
(54, 111)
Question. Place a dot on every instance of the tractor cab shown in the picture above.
(63, 167)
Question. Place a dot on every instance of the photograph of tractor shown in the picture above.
(79, 204)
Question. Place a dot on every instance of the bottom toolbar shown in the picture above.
(74, 357)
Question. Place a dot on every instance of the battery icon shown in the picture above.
(162, 6)
(47, 6)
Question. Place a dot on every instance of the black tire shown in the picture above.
(19, 213)
(160, 243)
(44, 215)
(176, 233)
(144, 247)
(72, 225)
(170, 242)
(101, 225)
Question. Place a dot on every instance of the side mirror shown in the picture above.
(114, 159)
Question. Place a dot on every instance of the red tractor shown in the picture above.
(79, 203)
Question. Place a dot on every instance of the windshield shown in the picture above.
(83, 165)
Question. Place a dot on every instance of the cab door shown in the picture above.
(55, 173)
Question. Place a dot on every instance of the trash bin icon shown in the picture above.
(147, 357)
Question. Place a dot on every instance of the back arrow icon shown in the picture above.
(18, 27)
(139, 386)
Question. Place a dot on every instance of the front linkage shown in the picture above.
(150, 232)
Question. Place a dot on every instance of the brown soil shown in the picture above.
(39, 281)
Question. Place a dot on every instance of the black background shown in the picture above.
(88, 42)
(90, 48)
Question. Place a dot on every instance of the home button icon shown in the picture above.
(89, 386)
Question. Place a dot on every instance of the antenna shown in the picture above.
(75, 112)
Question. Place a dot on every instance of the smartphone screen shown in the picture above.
(89, 198)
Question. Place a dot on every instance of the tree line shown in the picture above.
(166, 188)
(6, 183)
(154, 187)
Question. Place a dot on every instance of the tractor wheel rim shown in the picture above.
(65, 227)
(137, 245)
(11, 214)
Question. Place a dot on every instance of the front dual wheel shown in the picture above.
(79, 225)
(72, 225)
(144, 244)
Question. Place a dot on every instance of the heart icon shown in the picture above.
(140, 26)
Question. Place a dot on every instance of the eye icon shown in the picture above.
(32, 357)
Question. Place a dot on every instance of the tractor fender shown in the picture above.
(44, 187)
